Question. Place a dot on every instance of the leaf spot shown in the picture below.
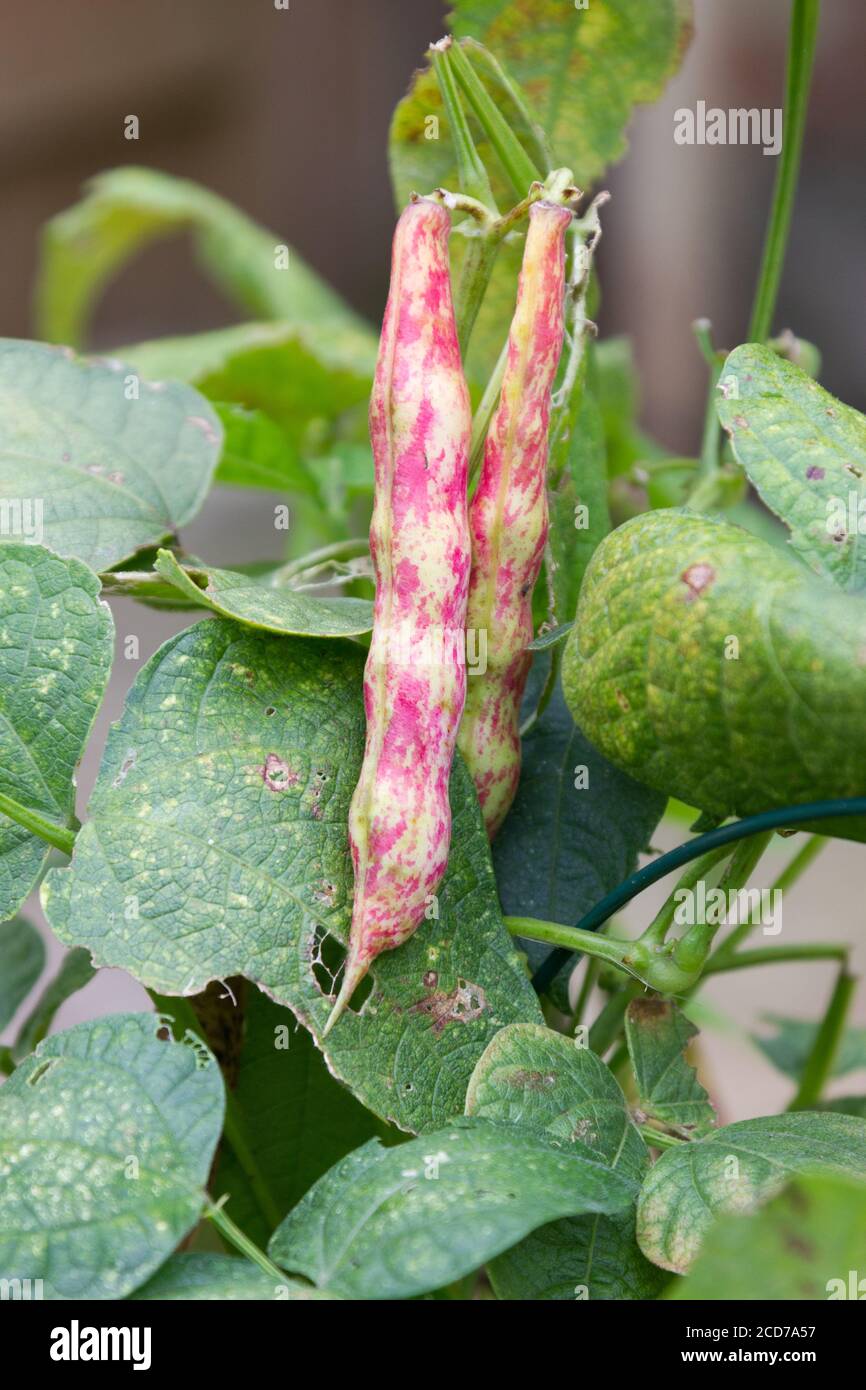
(206, 428)
(697, 578)
(463, 1004)
(276, 774)
(125, 767)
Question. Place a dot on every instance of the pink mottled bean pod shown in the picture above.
(508, 519)
(415, 677)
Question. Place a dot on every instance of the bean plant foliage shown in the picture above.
(485, 1118)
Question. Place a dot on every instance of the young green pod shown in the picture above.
(415, 677)
(508, 520)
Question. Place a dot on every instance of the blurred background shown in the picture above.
(285, 112)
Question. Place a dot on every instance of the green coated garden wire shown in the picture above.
(783, 818)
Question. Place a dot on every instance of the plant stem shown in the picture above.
(789, 875)
(709, 459)
(774, 955)
(606, 1028)
(475, 273)
(557, 934)
(586, 987)
(819, 1065)
(711, 438)
(484, 414)
(546, 693)
(661, 923)
(800, 861)
(60, 836)
(692, 949)
(235, 1236)
(338, 550)
(801, 53)
(234, 1128)
(784, 817)
(658, 1139)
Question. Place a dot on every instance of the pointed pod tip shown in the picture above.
(355, 972)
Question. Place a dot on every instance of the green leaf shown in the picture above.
(563, 846)
(736, 1169)
(106, 1139)
(297, 1118)
(846, 1105)
(238, 596)
(668, 1089)
(615, 382)
(22, 960)
(75, 972)
(791, 1044)
(543, 1082)
(294, 403)
(393, 1223)
(293, 375)
(715, 668)
(217, 845)
(56, 643)
(582, 69)
(805, 452)
(125, 210)
(577, 496)
(198, 1277)
(106, 475)
(803, 1245)
(258, 453)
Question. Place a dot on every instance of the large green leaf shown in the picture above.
(293, 375)
(75, 972)
(583, 71)
(297, 1119)
(791, 1044)
(200, 1277)
(658, 1033)
(56, 643)
(257, 452)
(734, 1170)
(239, 596)
(393, 1223)
(292, 402)
(106, 1137)
(22, 958)
(217, 845)
(805, 452)
(574, 831)
(127, 209)
(112, 463)
(714, 667)
(543, 1082)
(805, 1244)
